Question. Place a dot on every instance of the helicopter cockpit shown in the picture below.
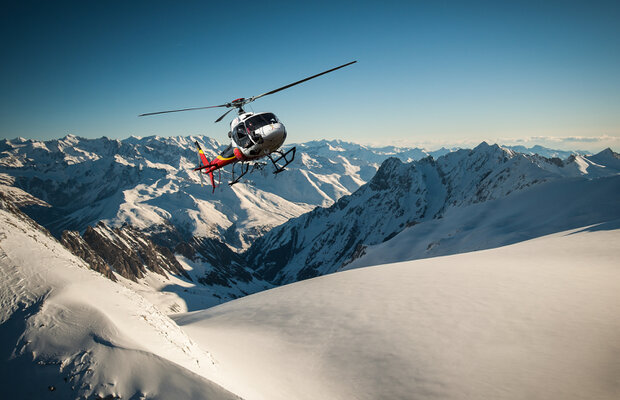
(245, 132)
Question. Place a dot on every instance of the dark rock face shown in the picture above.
(227, 266)
(129, 252)
(74, 242)
(223, 266)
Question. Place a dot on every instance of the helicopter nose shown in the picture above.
(275, 135)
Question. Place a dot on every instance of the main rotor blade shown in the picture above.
(222, 117)
(184, 109)
(301, 81)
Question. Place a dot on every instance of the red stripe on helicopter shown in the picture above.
(238, 154)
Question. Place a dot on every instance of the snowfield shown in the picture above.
(534, 320)
(69, 330)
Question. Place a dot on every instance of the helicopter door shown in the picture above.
(241, 136)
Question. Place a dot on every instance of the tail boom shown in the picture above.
(208, 167)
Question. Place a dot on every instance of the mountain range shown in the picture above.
(134, 207)
(159, 244)
(412, 196)
(148, 183)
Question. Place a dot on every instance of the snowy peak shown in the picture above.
(383, 178)
(604, 163)
(400, 195)
(607, 158)
(608, 153)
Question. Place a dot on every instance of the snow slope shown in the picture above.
(533, 320)
(537, 211)
(69, 330)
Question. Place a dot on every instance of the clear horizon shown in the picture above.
(449, 74)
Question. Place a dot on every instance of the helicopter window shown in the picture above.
(258, 121)
(228, 152)
(241, 137)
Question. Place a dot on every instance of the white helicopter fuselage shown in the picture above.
(257, 134)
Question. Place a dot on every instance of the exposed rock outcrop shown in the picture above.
(129, 252)
(78, 246)
(227, 266)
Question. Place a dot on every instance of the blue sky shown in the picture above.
(428, 73)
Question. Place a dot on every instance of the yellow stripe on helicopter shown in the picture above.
(225, 159)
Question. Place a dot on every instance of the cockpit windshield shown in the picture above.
(258, 121)
(243, 133)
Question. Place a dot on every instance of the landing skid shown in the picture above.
(279, 164)
(245, 168)
(282, 156)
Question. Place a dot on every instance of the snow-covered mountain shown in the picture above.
(148, 183)
(405, 195)
(69, 332)
(141, 220)
(535, 319)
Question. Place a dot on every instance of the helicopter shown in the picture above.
(252, 137)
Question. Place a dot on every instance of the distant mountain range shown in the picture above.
(134, 207)
(546, 152)
(148, 183)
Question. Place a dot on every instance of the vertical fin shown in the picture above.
(203, 158)
(205, 163)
